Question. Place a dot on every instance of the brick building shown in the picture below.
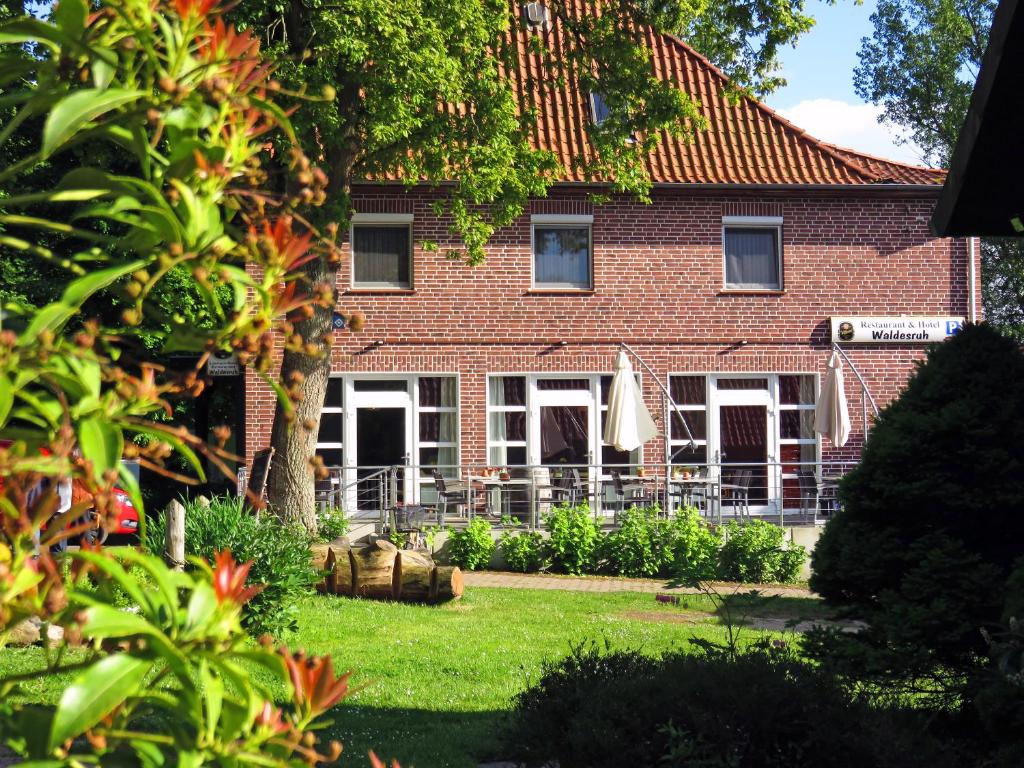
(725, 285)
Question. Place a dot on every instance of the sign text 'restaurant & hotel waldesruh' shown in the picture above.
(897, 330)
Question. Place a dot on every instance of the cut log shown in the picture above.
(373, 569)
(343, 578)
(446, 584)
(325, 561)
(414, 573)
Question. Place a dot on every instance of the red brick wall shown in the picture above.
(657, 286)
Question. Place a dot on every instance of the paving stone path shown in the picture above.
(613, 584)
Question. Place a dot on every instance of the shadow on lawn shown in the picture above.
(418, 738)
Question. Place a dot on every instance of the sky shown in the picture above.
(820, 97)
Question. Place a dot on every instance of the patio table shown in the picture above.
(504, 488)
(712, 492)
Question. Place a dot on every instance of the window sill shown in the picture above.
(560, 292)
(350, 291)
(751, 292)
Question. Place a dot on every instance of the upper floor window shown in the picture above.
(562, 252)
(753, 252)
(598, 108)
(381, 250)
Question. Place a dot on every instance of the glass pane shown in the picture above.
(501, 456)
(688, 390)
(332, 457)
(437, 391)
(796, 390)
(508, 425)
(744, 441)
(795, 455)
(561, 256)
(381, 385)
(697, 422)
(563, 384)
(437, 427)
(797, 425)
(335, 392)
(686, 456)
(508, 390)
(620, 461)
(743, 383)
(563, 434)
(751, 257)
(598, 107)
(606, 387)
(380, 255)
(442, 459)
(330, 428)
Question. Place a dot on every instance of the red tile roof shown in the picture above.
(745, 142)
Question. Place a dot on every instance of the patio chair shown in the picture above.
(457, 496)
(408, 519)
(735, 489)
(634, 493)
(808, 492)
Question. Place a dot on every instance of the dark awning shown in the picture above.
(984, 190)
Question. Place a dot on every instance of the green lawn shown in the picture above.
(439, 680)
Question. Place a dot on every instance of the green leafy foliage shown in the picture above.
(906, 553)
(169, 680)
(331, 523)
(763, 708)
(279, 553)
(471, 547)
(573, 536)
(524, 551)
(756, 551)
(695, 548)
(647, 543)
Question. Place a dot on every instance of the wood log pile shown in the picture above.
(381, 571)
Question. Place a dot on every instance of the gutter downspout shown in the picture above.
(972, 291)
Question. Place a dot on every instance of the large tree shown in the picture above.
(920, 65)
(388, 66)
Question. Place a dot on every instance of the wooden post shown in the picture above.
(174, 543)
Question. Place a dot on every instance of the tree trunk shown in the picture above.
(290, 485)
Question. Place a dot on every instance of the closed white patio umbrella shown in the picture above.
(628, 424)
(831, 416)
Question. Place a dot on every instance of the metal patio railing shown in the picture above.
(786, 493)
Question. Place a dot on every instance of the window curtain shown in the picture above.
(562, 256)
(381, 255)
(751, 260)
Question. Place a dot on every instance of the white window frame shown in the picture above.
(713, 399)
(754, 222)
(410, 400)
(386, 220)
(568, 221)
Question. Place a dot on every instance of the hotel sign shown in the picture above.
(894, 330)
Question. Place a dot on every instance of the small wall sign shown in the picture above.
(222, 364)
(894, 330)
(338, 321)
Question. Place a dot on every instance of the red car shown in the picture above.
(127, 523)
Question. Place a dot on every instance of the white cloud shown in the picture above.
(854, 126)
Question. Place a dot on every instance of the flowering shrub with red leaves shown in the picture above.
(170, 680)
(188, 104)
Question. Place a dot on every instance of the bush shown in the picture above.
(641, 546)
(279, 554)
(761, 709)
(755, 552)
(331, 523)
(932, 518)
(695, 548)
(573, 538)
(524, 552)
(472, 547)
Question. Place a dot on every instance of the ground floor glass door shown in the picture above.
(381, 434)
(743, 435)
